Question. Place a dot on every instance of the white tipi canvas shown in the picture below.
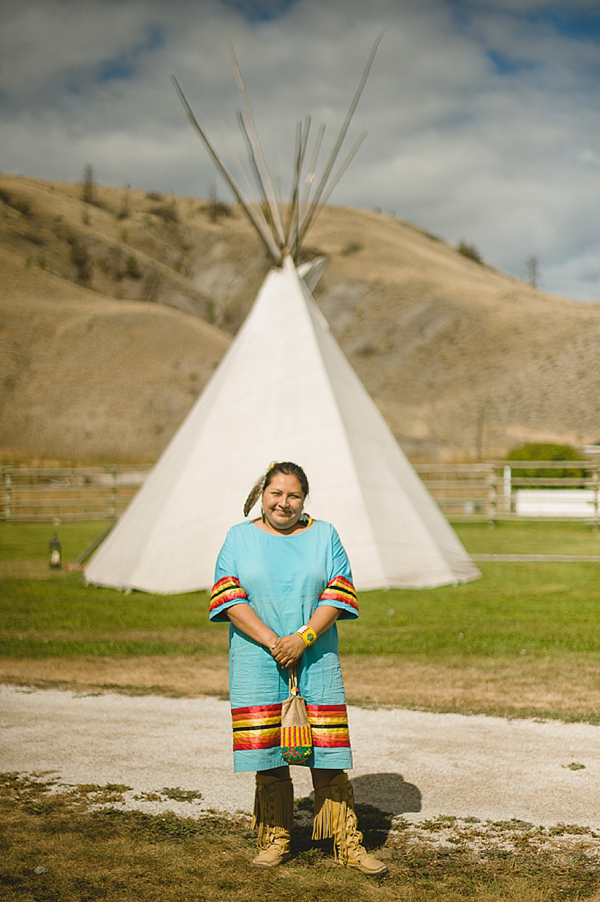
(283, 391)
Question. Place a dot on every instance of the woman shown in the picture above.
(282, 581)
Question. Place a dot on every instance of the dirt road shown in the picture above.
(417, 764)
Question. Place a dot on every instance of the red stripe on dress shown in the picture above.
(327, 713)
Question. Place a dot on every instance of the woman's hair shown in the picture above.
(288, 469)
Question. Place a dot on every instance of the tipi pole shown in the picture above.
(313, 209)
(264, 233)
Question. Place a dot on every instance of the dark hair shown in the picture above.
(287, 468)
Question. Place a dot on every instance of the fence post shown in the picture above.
(492, 496)
(113, 495)
(507, 489)
(7, 494)
(596, 487)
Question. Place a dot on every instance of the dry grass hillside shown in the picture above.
(116, 311)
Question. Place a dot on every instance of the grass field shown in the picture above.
(522, 641)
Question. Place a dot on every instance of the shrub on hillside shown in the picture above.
(352, 247)
(548, 451)
(132, 268)
(20, 204)
(81, 260)
(167, 211)
(470, 251)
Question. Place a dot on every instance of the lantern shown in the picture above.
(54, 553)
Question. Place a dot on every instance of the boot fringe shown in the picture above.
(335, 817)
(331, 808)
(273, 808)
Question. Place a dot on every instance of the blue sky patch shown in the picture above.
(124, 65)
(257, 11)
(576, 19)
(571, 23)
(115, 70)
(504, 65)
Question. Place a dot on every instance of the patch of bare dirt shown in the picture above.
(520, 689)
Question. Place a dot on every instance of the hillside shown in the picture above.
(116, 312)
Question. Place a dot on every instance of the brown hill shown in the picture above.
(115, 313)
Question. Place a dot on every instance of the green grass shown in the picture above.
(533, 537)
(29, 541)
(513, 608)
(516, 608)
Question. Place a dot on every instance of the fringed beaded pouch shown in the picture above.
(296, 733)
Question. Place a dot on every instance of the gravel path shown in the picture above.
(413, 763)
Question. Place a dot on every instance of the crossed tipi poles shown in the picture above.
(283, 233)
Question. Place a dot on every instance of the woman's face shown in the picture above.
(283, 502)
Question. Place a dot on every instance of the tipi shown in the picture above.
(283, 391)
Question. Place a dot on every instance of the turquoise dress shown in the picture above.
(284, 579)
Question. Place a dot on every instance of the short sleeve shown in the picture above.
(227, 590)
(339, 591)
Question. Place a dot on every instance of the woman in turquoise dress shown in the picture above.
(282, 581)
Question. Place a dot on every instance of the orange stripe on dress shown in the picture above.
(327, 714)
(246, 740)
(257, 711)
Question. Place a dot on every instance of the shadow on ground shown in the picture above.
(379, 799)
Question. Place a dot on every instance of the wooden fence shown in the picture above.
(501, 490)
(76, 493)
(492, 490)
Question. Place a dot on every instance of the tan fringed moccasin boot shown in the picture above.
(273, 819)
(335, 817)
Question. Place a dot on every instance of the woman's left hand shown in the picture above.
(288, 649)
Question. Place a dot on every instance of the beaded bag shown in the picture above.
(296, 733)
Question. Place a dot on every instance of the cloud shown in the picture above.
(482, 116)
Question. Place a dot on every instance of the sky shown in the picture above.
(483, 116)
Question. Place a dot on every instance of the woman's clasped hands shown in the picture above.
(287, 650)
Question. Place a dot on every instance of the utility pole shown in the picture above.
(533, 271)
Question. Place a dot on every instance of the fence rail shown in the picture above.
(493, 490)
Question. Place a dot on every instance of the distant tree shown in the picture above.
(81, 260)
(88, 184)
(125, 204)
(216, 209)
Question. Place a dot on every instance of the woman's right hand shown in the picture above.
(288, 650)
